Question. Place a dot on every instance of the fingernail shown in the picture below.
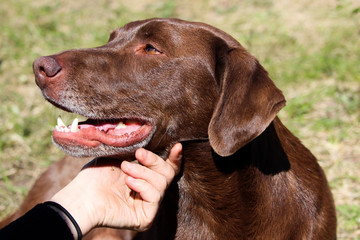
(141, 153)
(126, 165)
(144, 152)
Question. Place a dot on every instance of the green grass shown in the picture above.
(350, 215)
(310, 48)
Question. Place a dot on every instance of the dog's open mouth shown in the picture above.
(91, 133)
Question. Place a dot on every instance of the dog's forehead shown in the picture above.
(174, 30)
(160, 25)
(174, 36)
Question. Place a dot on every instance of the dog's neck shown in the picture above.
(236, 179)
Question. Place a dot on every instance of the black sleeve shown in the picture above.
(41, 222)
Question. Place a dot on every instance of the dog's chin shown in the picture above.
(101, 150)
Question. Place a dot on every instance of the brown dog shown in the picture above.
(161, 81)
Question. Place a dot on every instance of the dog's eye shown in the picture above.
(151, 50)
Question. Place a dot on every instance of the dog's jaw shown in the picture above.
(102, 137)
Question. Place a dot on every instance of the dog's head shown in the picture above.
(157, 82)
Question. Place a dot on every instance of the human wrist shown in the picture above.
(67, 217)
(78, 210)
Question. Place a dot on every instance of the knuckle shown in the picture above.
(170, 174)
(157, 197)
(163, 184)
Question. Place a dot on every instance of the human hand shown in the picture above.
(126, 196)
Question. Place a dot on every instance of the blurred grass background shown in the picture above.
(310, 48)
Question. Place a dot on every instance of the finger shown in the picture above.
(147, 191)
(175, 157)
(149, 159)
(155, 163)
(138, 171)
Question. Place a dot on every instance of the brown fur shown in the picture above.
(244, 175)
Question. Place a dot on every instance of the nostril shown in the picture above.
(47, 66)
(42, 70)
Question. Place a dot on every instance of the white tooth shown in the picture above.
(74, 125)
(120, 125)
(60, 123)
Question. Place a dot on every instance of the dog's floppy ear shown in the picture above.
(248, 102)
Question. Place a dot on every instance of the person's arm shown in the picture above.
(39, 223)
(103, 194)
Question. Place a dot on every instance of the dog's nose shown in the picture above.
(44, 68)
